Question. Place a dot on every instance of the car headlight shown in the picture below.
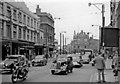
(63, 67)
(2, 63)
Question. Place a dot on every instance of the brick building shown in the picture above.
(47, 24)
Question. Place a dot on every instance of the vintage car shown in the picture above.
(61, 65)
(77, 61)
(8, 64)
(39, 60)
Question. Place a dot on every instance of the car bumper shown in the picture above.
(58, 70)
(5, 70)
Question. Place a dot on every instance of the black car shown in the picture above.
(39, 60)
(61, 65)
(8, 64)
(77, 61)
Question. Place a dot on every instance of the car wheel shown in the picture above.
(66, 72)
(32, 64)
(53, 72)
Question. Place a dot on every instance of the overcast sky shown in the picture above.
(75, 15)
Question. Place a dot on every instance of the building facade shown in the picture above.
(47, 24)
(82, 41)
(20, 29)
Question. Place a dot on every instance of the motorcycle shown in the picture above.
(20, 73)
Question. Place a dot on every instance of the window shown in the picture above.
(20, 32)
(24, 19)
(34, 37)
(8, 32)
(28, 20)
(1, 28)
(14, 15)
(31, 36)
(8, 11)
(15, 31)
(38, 37)
(32, 23)
(24, 34)
(1, 8)
(20, 17)
(37, 25)
(27, 34)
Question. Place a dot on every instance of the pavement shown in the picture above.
(109, 75)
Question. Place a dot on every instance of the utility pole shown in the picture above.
(60, 43)
(10, 32)
(63, 43)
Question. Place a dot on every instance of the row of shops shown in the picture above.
(20, 47)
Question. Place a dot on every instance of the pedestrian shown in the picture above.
(115, 64)
(100, 65)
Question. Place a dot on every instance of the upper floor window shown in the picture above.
(24, 19)
(34, 37)
(28, 20)
(1, 8)
(20, 32)
(31, 35)
(14, 15)
(32, 23)
(27, 34)
(20, 17)
(8, 11)
(15, 31)
(24, 34)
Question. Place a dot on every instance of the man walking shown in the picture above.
(100, 65)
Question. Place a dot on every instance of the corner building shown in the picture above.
(19, 29)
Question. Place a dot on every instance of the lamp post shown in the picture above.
(58, 18)
(103, 17)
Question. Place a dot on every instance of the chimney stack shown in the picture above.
(38, 10)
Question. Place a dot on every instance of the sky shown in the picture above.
(75, 15)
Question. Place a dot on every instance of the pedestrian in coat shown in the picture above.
(100, 66)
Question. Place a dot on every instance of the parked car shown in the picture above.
(61, 65)
(39, 60)
(8, 64)
(77, 61)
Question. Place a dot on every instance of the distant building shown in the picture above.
(47, 24)
(82, 41)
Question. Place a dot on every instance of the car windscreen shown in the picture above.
(76, 58)
(62, 59)
(39, 57)
(11, 58)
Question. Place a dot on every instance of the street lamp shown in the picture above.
(103, 17)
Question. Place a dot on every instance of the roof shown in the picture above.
(21, 6)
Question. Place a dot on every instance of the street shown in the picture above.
(43, 74)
